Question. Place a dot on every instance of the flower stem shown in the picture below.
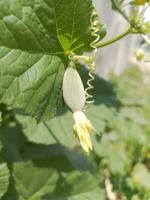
(116, 38)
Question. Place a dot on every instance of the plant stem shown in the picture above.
(116, 38)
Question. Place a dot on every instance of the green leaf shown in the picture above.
(13, 141)
(94, 194)
(37, 182)
(59, 129)
(46, 26)
(35, 37)
(45, 157)
(141, 177)
(56, 130)
(106, 151)
(4, 178)
(59, 157)
(32, 82)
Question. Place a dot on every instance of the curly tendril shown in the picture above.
(91, 64)
(89, 60)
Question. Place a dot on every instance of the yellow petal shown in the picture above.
(82, 128)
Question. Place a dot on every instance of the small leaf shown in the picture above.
(141, 177)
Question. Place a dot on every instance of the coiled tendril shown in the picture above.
(89, 60)
(91, 64)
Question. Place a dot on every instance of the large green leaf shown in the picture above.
(55, 159)
(95, 194)
(59, 129)
(39, 181)
(32, 82)
(56, 130)
(4, 178)
(30, 32)
(47, 26)
(18, 147)
(48, 162)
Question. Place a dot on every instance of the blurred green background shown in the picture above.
(44, 161)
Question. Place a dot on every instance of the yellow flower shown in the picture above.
(139, 2)
(82, 128)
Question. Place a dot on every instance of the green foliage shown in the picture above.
(129, 134)
(141, 177)
(46, 162)
(35, 39)
(42, 161)
(40, 181)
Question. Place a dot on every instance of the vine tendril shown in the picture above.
(89, 60)
(91, 64)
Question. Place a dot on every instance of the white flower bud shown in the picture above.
(73, 90)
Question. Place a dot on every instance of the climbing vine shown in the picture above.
(51, 102)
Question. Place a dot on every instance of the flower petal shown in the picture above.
(82, 128)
